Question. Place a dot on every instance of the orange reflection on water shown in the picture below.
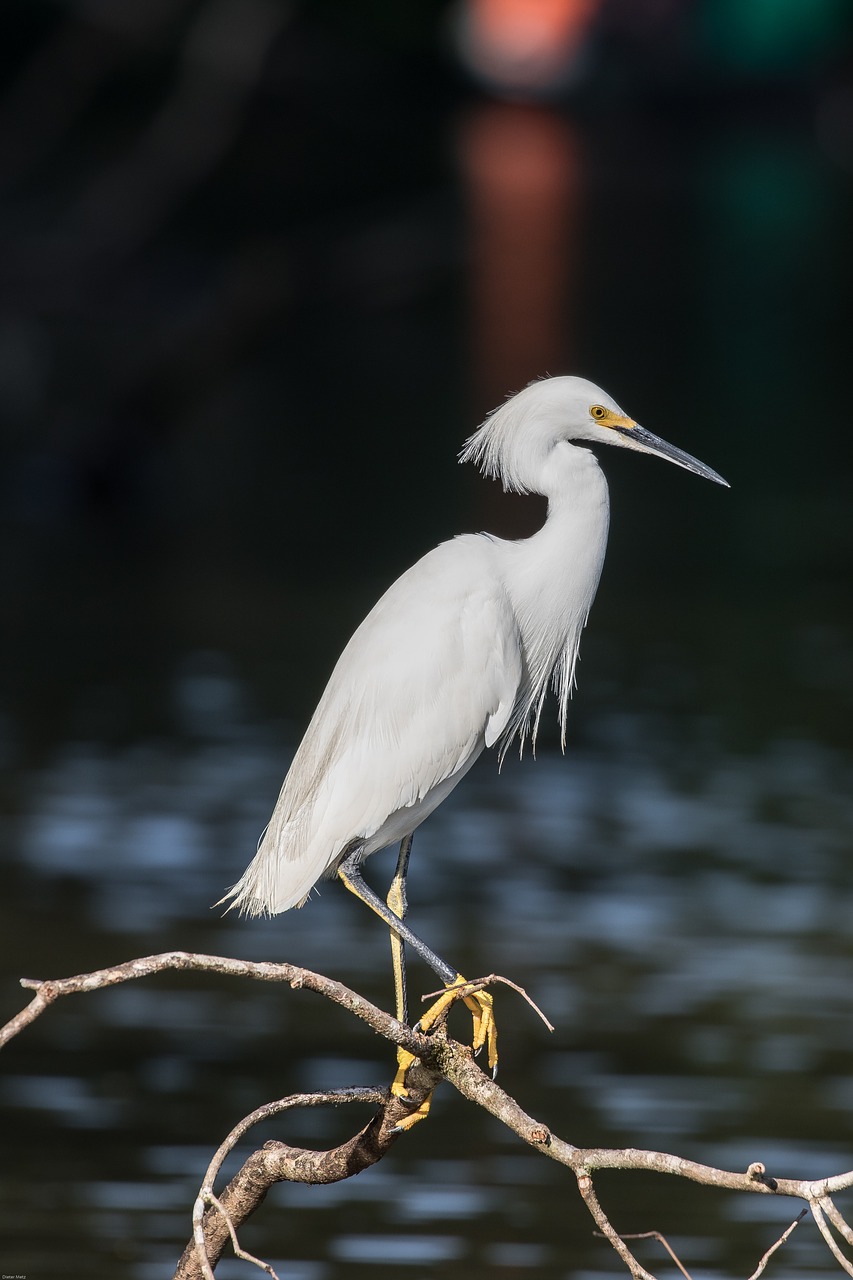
(522, 173)
(525, 44)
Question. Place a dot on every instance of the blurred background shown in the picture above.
(263, 266)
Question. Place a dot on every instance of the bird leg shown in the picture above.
(398, 902)
(480, 1003)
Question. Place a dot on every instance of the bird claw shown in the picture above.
(418, 1114)
(398, 1084)
(399, 1089)
(481, 1006)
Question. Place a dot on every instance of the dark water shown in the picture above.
(219, 445)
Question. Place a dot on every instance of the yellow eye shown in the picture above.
(598, 411)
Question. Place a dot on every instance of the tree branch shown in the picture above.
(838, 1221)
(606, 1228)
(297, 978)
(661, 1239)
(217, 1218)
(765, 1257)
(817, 1207)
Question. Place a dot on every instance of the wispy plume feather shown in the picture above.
(497, 446)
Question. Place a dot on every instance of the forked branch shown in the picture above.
(218, 1217)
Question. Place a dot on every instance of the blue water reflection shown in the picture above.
(690, 938)
(231, 396)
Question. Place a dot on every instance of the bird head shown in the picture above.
(517, 439)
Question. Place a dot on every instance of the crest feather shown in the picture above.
(494, 446)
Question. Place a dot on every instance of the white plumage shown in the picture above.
(458, 654)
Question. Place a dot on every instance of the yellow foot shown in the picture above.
(398, 1088)
(481, 1005)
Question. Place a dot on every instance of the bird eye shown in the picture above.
(598, 411)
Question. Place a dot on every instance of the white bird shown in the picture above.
(457, 656)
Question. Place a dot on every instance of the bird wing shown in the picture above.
(428, 679)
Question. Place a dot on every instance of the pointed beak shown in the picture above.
(638, 438)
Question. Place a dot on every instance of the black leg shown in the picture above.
(350, 873)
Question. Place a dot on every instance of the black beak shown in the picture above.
(646, 442)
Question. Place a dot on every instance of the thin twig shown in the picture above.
(784, 1236)
(608, 1230)
(478, 984)
(239, 1252)
(199, 1242)
(656, 1235)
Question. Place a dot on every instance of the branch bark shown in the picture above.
(276, 1162)
(297, 978)
(217, 1218)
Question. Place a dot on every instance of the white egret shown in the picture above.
(457, 656)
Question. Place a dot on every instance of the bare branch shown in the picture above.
(837, 1219)
(214, 1225)
(216, 1219)
(784, 1236)
(239, 1252)
(332, 1097)
(206, 1198)
(293, 975)
(196, 1254)
(606, 1228)
(707, 1175)
(656, 1235)
(823, 1226)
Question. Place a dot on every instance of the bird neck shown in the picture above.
(551, 579)
(561, 562)
(567, 474)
